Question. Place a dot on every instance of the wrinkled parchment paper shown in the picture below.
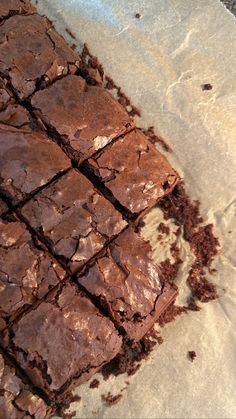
(161, 60)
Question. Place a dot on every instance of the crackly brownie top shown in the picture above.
(16, 401)
(11, 113)
(26, 273)
(88, 117)
(64, 336)
(74, 217)
(135, 171)
(32, 53)
(28, 160)
(15, 7)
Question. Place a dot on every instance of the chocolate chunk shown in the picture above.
(86, 117)
(136, 173)
(33, 54)
(26, 273)
(64, 341)
(127, 283)
(15, 7)
(28, 160)
(74, 218)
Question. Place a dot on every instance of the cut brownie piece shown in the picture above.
(134, 171)
(16, 398)
(127, 283)
(11, 113)
(26, 273)
(3, 207)
(15, 7)
(33, 54)
(86, 117)
(73, 218)
(28, 160)
(64, 341)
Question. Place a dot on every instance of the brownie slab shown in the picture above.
(16, 399)
(15, 7)
(86, 117)
(26, 273)
(63, 341)
(32, 54)
(134, 171)
(3, 207)
(127, 283)
(74, 218)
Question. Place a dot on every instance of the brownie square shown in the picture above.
(32, 54)
(74, 219)
(127, 282)
(26, 273)
(86, 117)
(15, 7)
(63, 341)
(3, 207)
(16, 398)
(28, 159)
(134, 171)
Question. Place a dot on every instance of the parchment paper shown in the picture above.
(161, 60)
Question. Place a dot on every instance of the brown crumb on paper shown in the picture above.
(94, 383)
(111, 400)
(192, 355)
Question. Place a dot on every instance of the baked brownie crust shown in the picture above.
(135, 172)
(63, 339)
(26, 273)
(33, 54)
(11, 113)
(86, 117)
(16, 399)
(15, 7)
(127, 282)
(74, 218)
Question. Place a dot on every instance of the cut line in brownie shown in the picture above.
(33, 54)
(26, 273)
(73, 219)
(128, 284)
(15, 7)
(17, 401)
(133, 172)
(63, 341)
(83, 118)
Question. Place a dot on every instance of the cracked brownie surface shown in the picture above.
(86, 117)
(26, 273)
(127, 282)
(74, 218)
(15, 7)
(83, 340)
(33, 54)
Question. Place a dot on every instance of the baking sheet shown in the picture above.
(161, 60)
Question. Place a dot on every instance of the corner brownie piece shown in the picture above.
(64, 341)
(74, 219)
(16, 398)
(134, 171)
(33, 54)
(28, 160)
(127, 283)
(15, 7)
(3, 207)
(86, 117)
(26, 273)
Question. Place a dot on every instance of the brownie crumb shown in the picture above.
(206, 86)
(72, 35)
(192, 355)
(94, 383)
(111, 400)
(201, 288)
(154, 138)
(138, 15)
(192, 305)
(170, 314)
(163, 228)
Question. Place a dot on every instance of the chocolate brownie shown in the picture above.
(73, 218)
(26, 273)
(15, 7)
(33, 54)
(3, 207)
(10, 112)
(127, 283)
(134, 171)
(16, 398)
(28, 160)
(86, 117)
(64, 341)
